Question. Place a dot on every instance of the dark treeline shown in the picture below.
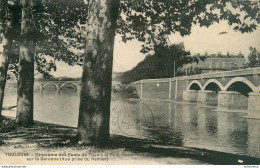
(161, 64)
(254, 57)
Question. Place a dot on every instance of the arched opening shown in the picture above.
(68, 86)
(213, 86)
(68, 89)
(194, 86)
(117, 87)
(50, 87)
(240, 87)
(37, 88)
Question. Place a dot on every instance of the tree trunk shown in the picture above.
(94, 111)
(4, 61)
(24, 114)
(3, 73)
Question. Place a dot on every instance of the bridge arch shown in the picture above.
(243, 80)
(68, 83)
(118, 84)
(213, 82)
(56, 86)
(39, 85)
(241, 85)
(117, 87)
(194, 85)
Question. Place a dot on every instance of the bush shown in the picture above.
(7, 125)
(129, 92)
(161, 64)
(1, 142)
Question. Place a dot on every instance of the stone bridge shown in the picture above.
(57, 84)
(62, 84)
(238, 89)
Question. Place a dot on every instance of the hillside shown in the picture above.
(161, 64)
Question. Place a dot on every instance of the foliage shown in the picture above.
(253, 57)
(60, 24)
(152, 21)
(7, 125)
(14, 36)
(54, 25)
(129, 91)
(56, 22)
(124, 91)
(161, 64)
(1, 142)
(63, 24)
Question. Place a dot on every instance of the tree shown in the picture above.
(94, 111)
(161, 64)
(11, 32)
(55, 34)
(61, 17)
(253, 57)
(149, 22)
(24, 113)
(152, 21)
(3, 56)
(174, 57)
(8, 34)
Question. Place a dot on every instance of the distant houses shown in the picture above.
(215, 63)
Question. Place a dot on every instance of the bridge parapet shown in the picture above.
(60, 84)
(224, 80)
(239, 72)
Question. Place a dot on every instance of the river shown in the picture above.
(175, 123)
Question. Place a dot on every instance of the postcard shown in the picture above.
(126, 82)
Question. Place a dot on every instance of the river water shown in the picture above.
(176, 123)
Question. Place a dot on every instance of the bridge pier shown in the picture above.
(41, 88)
(254, 105)
(58, 88)
(207, 97)
(190, 95)
(232, 100)
(78, 89)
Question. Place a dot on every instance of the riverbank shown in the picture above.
(53, 144)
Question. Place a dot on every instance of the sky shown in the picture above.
(201, 40)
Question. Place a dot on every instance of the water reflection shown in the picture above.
(192, 126)
(233, 132)
(253, 137)
(61, 108)
(163, 117)
(178, 124)
(190, 123)
(211, 123)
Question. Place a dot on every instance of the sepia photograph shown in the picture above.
(129, 82)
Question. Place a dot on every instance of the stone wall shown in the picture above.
(232, 100)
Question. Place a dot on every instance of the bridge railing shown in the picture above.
(239, 72)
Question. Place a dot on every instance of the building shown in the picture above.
(217, 62)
